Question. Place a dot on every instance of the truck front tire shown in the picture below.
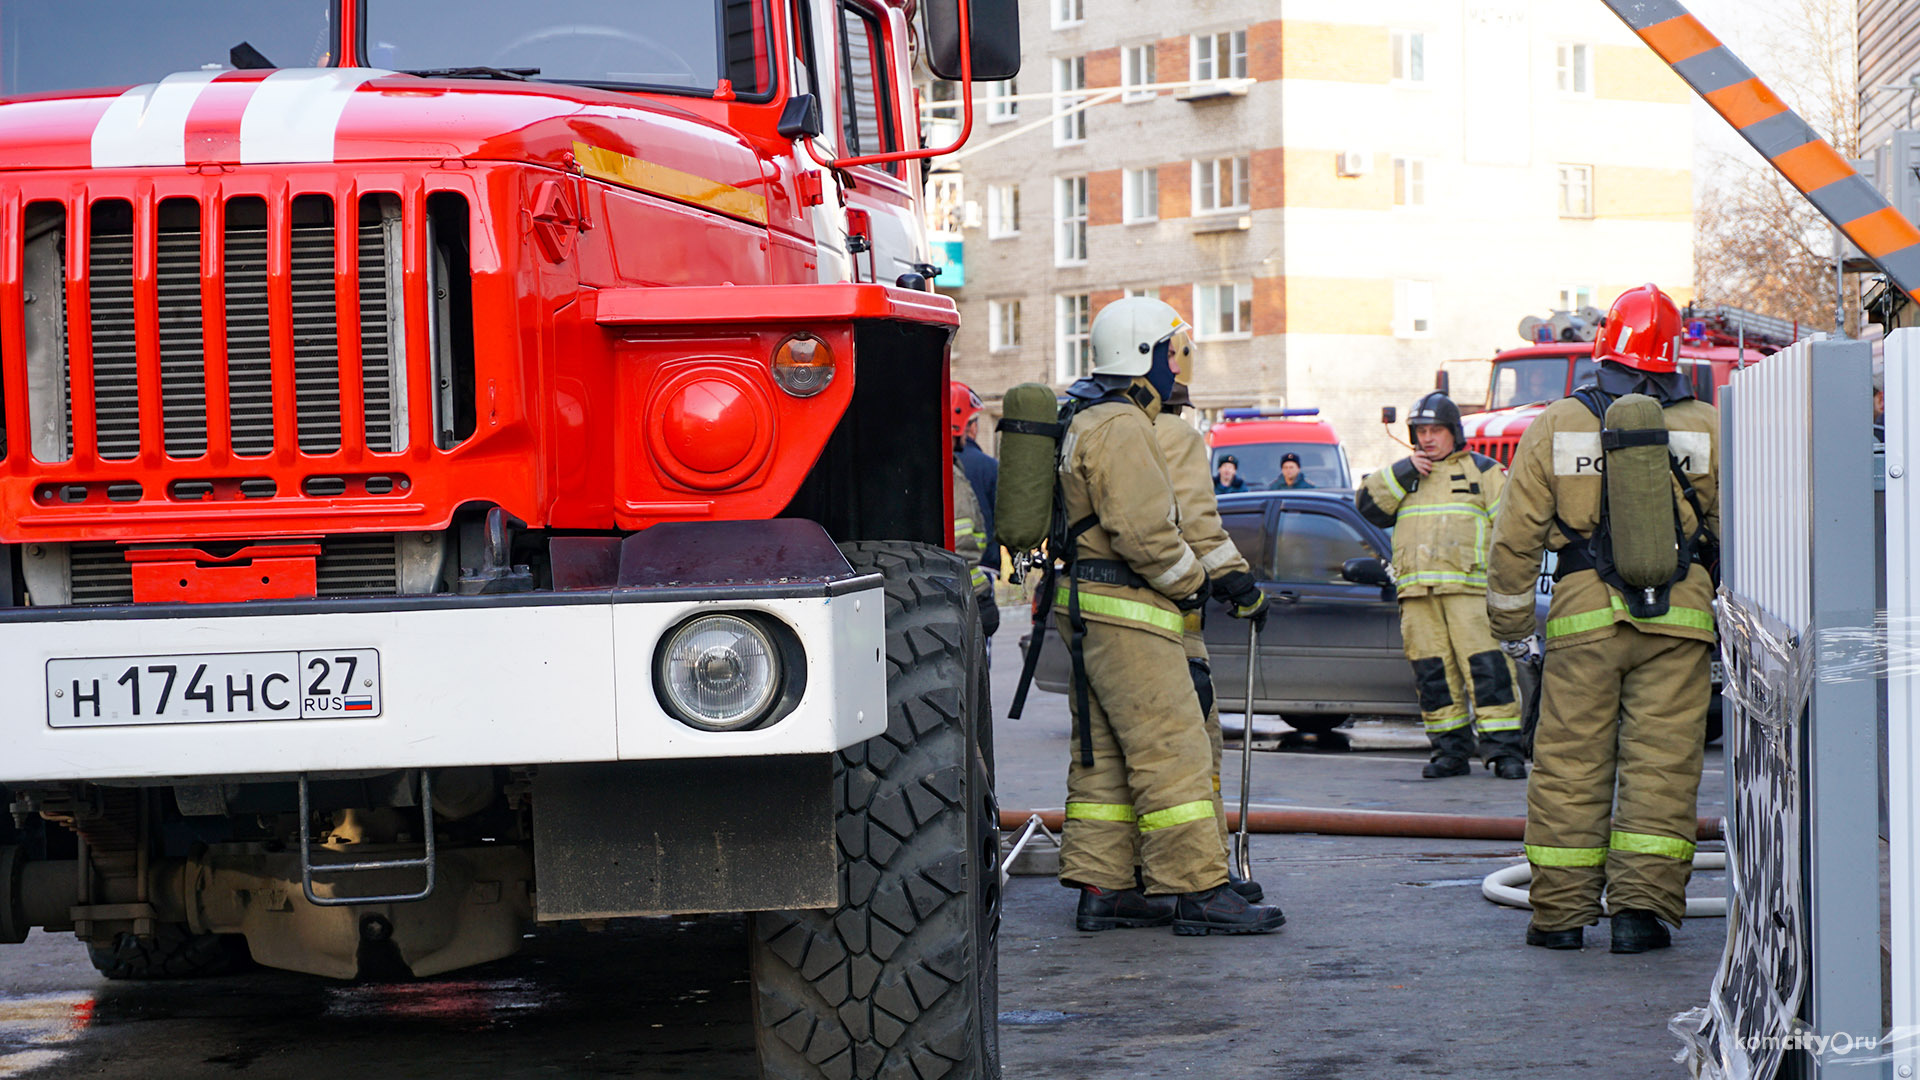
(901, 980)
(173, 952)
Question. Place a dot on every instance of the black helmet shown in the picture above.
(1437, 408)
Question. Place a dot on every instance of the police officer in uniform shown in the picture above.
(1623, 698)
(1141, 777)
(1232, 582)
(1440, 503)
(1290, 478)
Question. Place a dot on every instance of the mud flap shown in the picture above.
(614, 839)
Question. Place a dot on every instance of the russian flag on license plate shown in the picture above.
(359, 704)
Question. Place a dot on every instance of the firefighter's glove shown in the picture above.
(1525, 651)
(1242, 594)
(1194, 602)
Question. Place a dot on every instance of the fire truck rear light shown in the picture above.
(803, 365)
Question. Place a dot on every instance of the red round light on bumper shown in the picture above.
(710, 428)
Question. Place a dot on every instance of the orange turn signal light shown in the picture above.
(802, 364)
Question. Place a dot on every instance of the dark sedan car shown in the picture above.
(1332, 647)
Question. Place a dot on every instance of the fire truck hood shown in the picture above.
(320, 115)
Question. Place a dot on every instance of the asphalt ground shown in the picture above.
(1391, 965)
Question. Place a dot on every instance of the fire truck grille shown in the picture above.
(350, 565)
(140, 312)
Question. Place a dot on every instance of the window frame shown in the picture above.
(1058, 8)
(1131, 212)
(1071, 129)
(887, 124)
(1064, 339)
(1406, 184)
(1576, 292)
(1129, 77)
(1297, 512)
(1236, 55)
(997, 201)
(1240, 173)
(1067, 225)
(1562, 171)
(1409, 52)
(1206, 298)
(1405, 292)
(1000, 111)
(1003, 315)
(1573, 63)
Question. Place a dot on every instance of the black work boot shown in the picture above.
(1557, 939)
(1636, 931)
(1245, 887)
(1222, 910)
(1508, 768)
(1446, 766)
(1120, 909)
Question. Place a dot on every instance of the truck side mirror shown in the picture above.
(800, 119)
(995, 38)
(1366, 571)
(1388, 414)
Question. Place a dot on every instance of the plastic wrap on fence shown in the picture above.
(1768, 677)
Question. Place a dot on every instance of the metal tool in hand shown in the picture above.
(1242, 849)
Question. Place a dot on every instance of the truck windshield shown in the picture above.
(670, 45)
(1525, 381)
(82, 44)
(1259, 463)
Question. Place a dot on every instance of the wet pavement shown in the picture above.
(1391, 965)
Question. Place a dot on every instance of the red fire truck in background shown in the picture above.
(465, 466)
(1524, 381)
(1258, 438)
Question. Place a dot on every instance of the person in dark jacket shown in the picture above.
(1290, 475)
(1226, 476)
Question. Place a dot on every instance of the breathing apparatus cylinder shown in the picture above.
(1640, 501)
(1030, 432)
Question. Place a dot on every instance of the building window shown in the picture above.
(1575, 297)
(1576, 191)
(1409, 182)
(1150, 292)
(1219, 56)
(1070, 213)
(1003, 324)
(1073, 316)
(1136, 69)
(1573, 70)
(1220, 185)
(1223, 311)
(999, 109)
(1409, 56)
(1413, 308)
(1140, 195)
(1069, 73)
(1003, 210)
(1069, 12)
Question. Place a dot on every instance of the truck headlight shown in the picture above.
(719, 672)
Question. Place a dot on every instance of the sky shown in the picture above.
(1750, 29)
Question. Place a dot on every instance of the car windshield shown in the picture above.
(81, 44)
(1523, 382)
(667, 45)
(1259, 463)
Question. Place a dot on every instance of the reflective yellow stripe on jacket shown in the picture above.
(1567, 625)
(1116, 607)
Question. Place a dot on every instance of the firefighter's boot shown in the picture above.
(1245, 887)
(1557, 939)
(1638, 931)
(1222, 910)
(1121, 909)
(1508, 768)
(1441, 767)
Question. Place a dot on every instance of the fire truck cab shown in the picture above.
(465, 466)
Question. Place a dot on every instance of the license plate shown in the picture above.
(110, 691)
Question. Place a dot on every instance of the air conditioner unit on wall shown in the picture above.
(1353, 162)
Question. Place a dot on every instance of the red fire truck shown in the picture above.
(1524, 381)
(470, 466)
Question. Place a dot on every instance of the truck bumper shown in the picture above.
(530, 678)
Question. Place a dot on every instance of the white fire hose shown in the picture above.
(1508, 885)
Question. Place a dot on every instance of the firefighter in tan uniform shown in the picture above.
(1141, 776)
(1186, 454)
(1440, 503)
(1624, 696)
(970, 539)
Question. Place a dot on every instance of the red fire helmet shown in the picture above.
(1642, 329)
(962, 405)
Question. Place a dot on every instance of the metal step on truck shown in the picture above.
(470, 466)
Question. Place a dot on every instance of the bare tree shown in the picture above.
(1758, 243)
